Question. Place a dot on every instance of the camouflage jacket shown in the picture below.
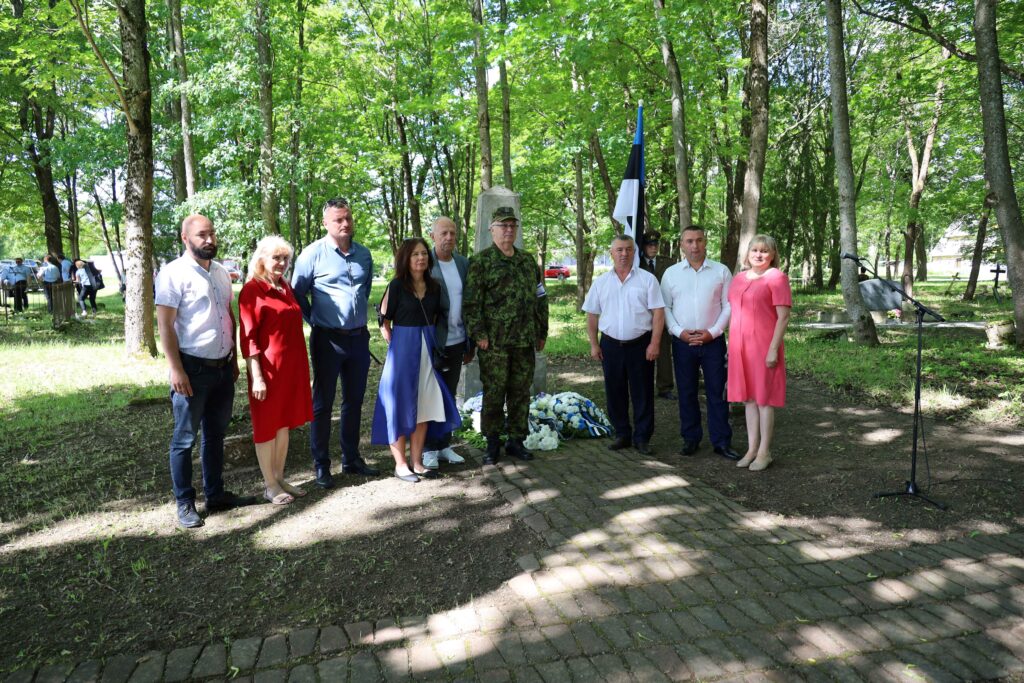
(505, 301)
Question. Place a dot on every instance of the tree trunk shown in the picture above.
(584, 252)
(483, 117)
(265, 67)
(979, 249)
(998, 172)
(758, 125)
(138, 193)
(921, 254)
(184, 108)
(919, 177)
(296, 138)
(74, 227)
(106, 237)
(606, 180)
(682, 171)
(467, 206)
(506, 116)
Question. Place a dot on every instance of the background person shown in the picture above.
(761, 300)
(626, 304)
(506, 312)
(66, 267)
(654, 263)
(332, 281)
(197, 333)
(696, 293)
(49, 275)
(86, 283)
(453, 348)
(274, 347)
(411, 400)
(19, 274)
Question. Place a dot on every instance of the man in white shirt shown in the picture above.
(696, 293)
(452, 348)
(626, 305)
(197, 333)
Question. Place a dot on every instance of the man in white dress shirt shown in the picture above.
(696, 293)
(197, 333)
(626, 305)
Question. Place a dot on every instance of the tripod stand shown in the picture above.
(910, 487)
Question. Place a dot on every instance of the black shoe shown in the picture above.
(689, 447)
(668, 395)
(619, 444)
(427, 474)
(323, 477)
(362, 468)
(187, 515)
(493, 451)
(228, 501)
(411, 477)
(516, 449)
(643, 448)
(727, 452)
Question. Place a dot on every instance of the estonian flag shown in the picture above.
(629, 208)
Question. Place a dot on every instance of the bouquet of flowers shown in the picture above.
(553, 417)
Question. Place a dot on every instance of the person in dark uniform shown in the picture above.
(656, 264)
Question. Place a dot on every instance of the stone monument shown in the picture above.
(486, 203)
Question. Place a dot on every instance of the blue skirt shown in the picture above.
(405, 369)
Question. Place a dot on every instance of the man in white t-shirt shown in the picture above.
(452, 348)
(197, 333)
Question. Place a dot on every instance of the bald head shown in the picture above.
(199, 237)
(443, 232)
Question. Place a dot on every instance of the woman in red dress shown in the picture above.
(761, 300)
(274, 347)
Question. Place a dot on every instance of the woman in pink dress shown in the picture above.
(761, 300)
(274, 347)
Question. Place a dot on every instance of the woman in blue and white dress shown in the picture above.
(412, 401)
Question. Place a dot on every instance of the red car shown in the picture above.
(561, 272)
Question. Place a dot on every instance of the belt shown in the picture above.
(211, 362)
(642, 339)
(345, 333)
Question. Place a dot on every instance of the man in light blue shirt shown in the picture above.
(332, 280)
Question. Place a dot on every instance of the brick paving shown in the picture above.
(648, 576)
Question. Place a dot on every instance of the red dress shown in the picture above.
(751, 327)
(270, 324)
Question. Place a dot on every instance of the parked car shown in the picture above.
(561, 272)
(231, 265)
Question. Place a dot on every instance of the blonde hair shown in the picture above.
(265, 248)
(765, 241)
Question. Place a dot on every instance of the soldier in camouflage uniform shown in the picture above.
(506, 312)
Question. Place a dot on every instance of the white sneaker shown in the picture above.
(430, 460)
(448, 455)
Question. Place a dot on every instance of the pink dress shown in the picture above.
(751, 328)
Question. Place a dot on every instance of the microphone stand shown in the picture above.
(910, 488)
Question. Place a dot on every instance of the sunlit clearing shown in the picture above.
(883, 435)
(942, 399)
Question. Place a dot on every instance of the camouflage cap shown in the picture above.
(503, 213)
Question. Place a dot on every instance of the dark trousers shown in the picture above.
(450, 370)
(209, 408)
(48, 293)
(87, 292)
(690, 363)
(629, 377)
(335, 354)
(20, 296)
(506, 375)
(664, 372)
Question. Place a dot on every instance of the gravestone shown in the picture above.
(486, 203)
(878, 297)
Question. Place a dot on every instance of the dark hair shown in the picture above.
(336, 203)
(51, 259)
(694, 226)
(402, 259)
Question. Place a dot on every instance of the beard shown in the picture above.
(203, 253)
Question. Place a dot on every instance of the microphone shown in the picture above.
(852, 257)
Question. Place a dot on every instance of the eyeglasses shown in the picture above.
(505, 226)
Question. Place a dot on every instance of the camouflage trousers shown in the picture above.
(506, 375)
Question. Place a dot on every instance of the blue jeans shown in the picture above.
(209, 407)
(690, 362)
(346, 355)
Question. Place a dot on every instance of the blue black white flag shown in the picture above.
(629, 208)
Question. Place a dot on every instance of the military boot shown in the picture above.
(516, 449)
(493, 451)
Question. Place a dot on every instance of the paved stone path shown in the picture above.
(647, 576)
